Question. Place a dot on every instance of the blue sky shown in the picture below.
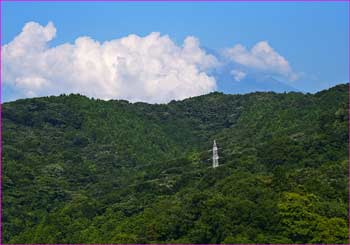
(312, 37)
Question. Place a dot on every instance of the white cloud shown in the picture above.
(238, 75)
(262, 57)
(151, 68)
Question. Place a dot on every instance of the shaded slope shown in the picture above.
(88, 171)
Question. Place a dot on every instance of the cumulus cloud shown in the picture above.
(262, 57)
(151, 68)
(238, 75)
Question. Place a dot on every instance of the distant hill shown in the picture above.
(263, 84)
(79, 170)
(251, 83)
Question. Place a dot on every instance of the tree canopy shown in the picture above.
(80, 170)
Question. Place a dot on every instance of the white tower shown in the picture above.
(215, 155)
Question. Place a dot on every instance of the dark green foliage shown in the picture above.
(77, 170)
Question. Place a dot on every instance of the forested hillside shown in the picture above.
(80, 170)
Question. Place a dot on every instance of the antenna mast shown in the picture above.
(215, 155)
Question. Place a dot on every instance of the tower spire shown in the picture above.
(215, 155)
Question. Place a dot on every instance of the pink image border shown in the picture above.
(167, 1)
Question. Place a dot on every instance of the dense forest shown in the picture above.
(80, 170)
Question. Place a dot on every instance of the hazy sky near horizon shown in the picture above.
(156, 51)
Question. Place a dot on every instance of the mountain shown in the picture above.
(79, 170)
(250, 83)
(259, 83)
